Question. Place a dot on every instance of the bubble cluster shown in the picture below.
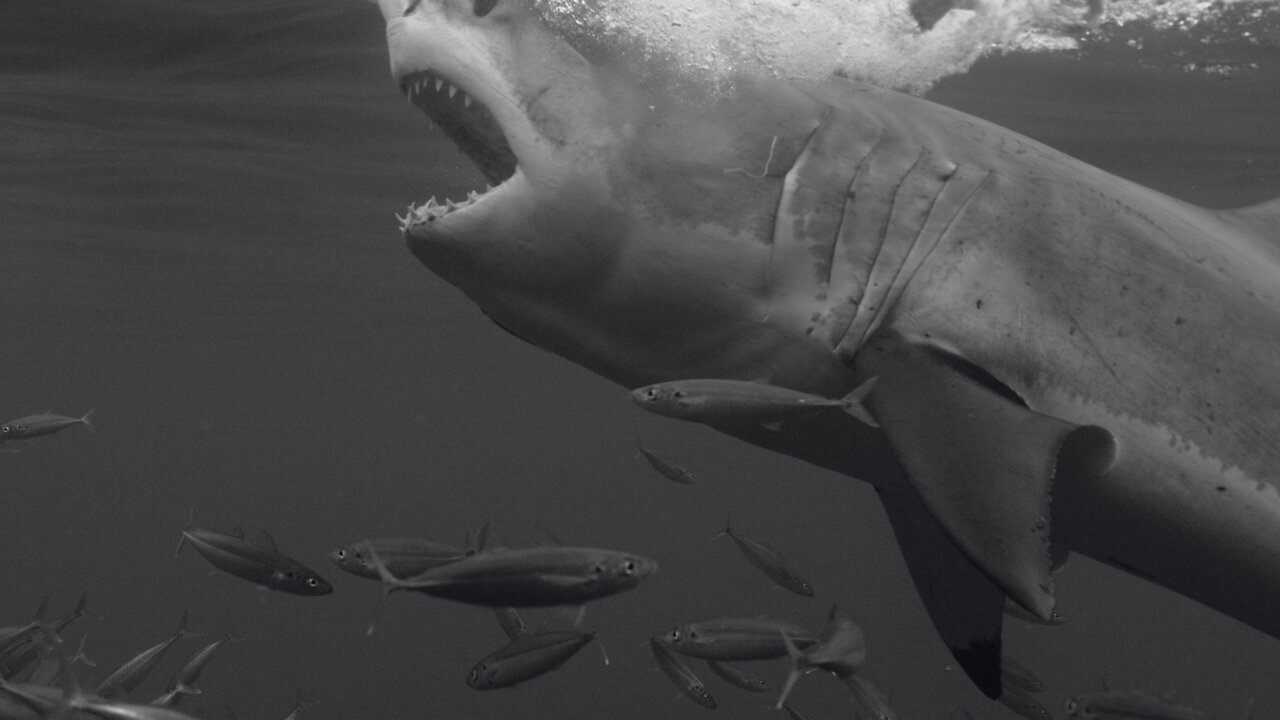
(874, 40)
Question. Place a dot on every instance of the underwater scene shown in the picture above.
(257, 461)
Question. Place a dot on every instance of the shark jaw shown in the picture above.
(495, 80)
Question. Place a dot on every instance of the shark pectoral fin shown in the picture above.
(963, 603)
(982, 462)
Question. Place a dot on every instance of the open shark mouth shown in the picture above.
(470, 125)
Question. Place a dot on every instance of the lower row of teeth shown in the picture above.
(432, 210)
(422, 84)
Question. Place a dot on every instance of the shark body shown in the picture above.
(1067, 361)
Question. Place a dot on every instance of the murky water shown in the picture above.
(197, 240)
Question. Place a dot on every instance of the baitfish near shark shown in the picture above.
(1040, 330)
(258, 562)
(45, 423)
(526, 657)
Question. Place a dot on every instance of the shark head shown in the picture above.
(617, 205)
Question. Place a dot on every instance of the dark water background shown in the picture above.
(196, 239)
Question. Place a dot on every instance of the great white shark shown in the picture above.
(1067, 361)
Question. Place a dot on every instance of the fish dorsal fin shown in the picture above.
(481, 542)
(42, 611)
(728, 526)
(982, 462)
(266, 541)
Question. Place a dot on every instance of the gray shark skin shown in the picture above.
(1067, 361)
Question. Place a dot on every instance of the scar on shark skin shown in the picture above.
(772, 146)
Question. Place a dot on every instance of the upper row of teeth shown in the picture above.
(439, 83)
(432, 210)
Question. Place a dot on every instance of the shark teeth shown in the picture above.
(432, 210)
(430, 81)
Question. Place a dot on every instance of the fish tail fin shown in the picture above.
(853, 401)
(797, 667)
(72, 693)
(85, 417)
(191, 519)
(390, 583)
(182, 688)
(728, 526)
(82, 608)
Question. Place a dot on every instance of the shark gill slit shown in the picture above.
(946, 171)
(915, 198)
(882, 159)
(869, 295)
(960, 179)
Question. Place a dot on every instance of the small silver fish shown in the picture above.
(1129, 705)
(41, 424)
(793, 713)
(769, 562)
(680, 674)
(528, 577)
(124, 679)
(1019, 676)
(526, 657)
(738, 677)
(18, 656)
(259, 563)
(404, 557)
(184, 683)
(49, 703)
(737, 638)
(1023, 704)
(14, 639)
(667, 468)
(740, 401)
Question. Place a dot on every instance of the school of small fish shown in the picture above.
(39, 677)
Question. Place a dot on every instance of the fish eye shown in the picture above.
(482, 7)
(628, 567)
(1072, 707)
(651, 393)
(342, 554)
(6, 429)
(674, 635)
(313, 582)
